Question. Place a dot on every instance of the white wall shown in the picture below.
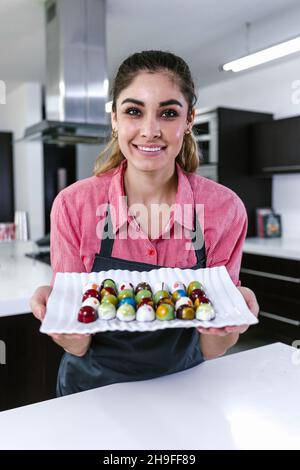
(273, 88)
(22, 109)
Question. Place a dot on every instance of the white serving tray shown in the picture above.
(65, 300)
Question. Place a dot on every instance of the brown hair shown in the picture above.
(152, 62)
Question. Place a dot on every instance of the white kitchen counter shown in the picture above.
(19, 276)
(248, 400)
(278, 247)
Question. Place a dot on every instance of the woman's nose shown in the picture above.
(150, 128)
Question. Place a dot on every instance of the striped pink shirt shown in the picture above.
(77, 220)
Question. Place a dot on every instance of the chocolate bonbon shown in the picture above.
(128, 302)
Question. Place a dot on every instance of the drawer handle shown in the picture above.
(281, 168)
(273, 316)
(270, 275)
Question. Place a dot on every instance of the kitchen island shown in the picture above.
(247, 400)
(19, 276)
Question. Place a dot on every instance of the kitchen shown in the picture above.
(255, 108)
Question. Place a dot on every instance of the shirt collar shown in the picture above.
(184, 203)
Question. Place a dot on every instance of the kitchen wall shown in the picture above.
(22, 109)
(276, 89)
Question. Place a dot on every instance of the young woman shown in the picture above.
(146, 192)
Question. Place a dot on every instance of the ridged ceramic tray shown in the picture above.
(65, 300)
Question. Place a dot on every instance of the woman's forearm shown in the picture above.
(213, 346)
(72, 344)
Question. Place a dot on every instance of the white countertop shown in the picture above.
(19, 276)
(278, 247)
(248, 400)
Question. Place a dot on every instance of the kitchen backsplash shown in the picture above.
(286, 201)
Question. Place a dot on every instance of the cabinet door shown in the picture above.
(276, 146)
(6, 178)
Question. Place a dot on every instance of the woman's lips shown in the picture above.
(151, 150)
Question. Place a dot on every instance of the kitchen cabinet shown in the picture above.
(31, 364)
(276, 146)
(223, 137)
(6, 178)
(276, 283)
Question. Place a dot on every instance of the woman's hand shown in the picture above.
(253, 306)
(39, 300)
(214, 342)
(72, 343)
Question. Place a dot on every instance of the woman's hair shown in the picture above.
(152, 62)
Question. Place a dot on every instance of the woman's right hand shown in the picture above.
(72, 343)
(39, 300)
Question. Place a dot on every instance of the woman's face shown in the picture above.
(151, 118)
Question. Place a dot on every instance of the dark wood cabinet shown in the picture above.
(224, 140)
(31, 364)
(276, 146)
(6, 178)
(276, 283)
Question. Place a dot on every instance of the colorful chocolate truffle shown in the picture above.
(194, 285)
(91, 293)
(87, 314)
(165, 312)
(108, 283)
(111, 299)
(126, 285)
(205, 312)
(145, 313)
(177, 286)
(143, 286)
(91, 302)
(107, 311)
(126, 312)
(185, 312)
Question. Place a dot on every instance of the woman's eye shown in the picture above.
(133, 111)
(170, 113)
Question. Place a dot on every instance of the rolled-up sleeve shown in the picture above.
(64, 238)
(227, 248)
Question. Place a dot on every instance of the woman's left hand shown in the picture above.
(253, 306)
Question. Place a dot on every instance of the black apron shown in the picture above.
(122, 356)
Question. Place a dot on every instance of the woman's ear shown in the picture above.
(113, 117)
(191, 117)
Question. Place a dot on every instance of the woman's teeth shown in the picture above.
(149, 149)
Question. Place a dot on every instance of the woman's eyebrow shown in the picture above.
(162, 103)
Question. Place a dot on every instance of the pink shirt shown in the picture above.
(77, 220)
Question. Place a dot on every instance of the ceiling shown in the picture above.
(205, 33)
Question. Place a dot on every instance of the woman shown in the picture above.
(145, 192)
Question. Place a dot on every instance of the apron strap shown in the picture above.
(107, 242)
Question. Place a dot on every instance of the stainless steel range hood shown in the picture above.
(77, 81)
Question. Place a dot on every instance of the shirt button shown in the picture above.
(151, 252)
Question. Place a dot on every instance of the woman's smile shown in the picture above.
(150, 150)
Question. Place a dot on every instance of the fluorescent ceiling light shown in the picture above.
(265, 55)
